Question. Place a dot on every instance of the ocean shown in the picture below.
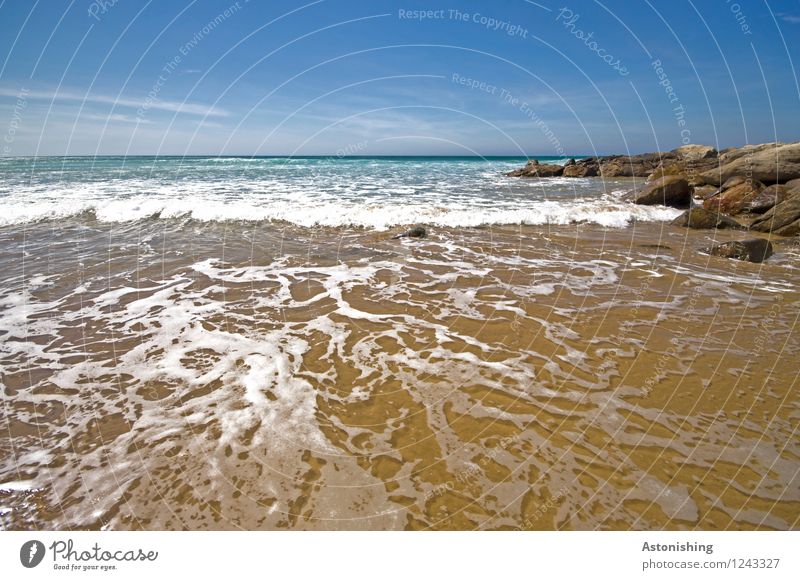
(236, 343)
(368, 192)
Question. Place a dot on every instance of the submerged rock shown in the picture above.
(415, 232)
(752, 250)
(702, 219)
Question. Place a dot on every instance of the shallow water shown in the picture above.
(190, 374)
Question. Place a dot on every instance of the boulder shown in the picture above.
(535, 169)
(584, 168)
(733, 181)
(701, 219)
(767, 199)
(415, 232)
(770, 163)
(664, 169)
(752, 250)
(734, 199)
(690, 169)
(705, 191)
(783, 219)
(793, 185)
(734, 153)
(633, 165)
(672, 190)
(694, 152)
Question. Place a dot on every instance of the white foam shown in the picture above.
(26, 485)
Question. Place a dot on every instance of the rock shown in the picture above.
(672, 190)
(632, 166)
(569, 162)
(793, 185)
(783, 219)
(677, 168)
(415, 232)
(584, 168)
(690, 169)
(535, 169)
(733, 153)
(705, 191)
(767, 199)
(694, 152)
(752, 250)
(769, 163)
(734, 199)
(733, 182)
(700, 219)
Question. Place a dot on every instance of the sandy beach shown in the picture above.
(178, 374)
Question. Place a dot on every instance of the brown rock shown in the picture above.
(705, 191)
(767, 199)
(734, 199)
(694, 152)
(734, 153)
(672, 190)
(783, 219)
(733, 181)
(676, 168)
(584, 168)
(793, 185)
(752, 250)
(535, 169)
(633, 165)
(769, 163)
(701, 219)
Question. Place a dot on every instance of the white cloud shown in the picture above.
(67, 95)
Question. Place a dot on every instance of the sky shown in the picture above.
(347, 77)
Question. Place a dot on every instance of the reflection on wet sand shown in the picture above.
(196, 376)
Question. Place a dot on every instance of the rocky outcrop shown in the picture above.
(733, 153)
(589, 167)
(633, 165)
(691, 170)
(734, 199)
(701, 219)
(770, 163)
(731, 181)
(535, 169)
(672, 190)
(752, 250)
(783, 219)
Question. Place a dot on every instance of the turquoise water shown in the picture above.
(371, 192)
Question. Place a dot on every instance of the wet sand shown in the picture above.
(166, 374)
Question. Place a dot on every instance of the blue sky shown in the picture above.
(510, 77)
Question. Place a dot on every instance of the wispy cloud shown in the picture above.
(70, 96)
(793, 18)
